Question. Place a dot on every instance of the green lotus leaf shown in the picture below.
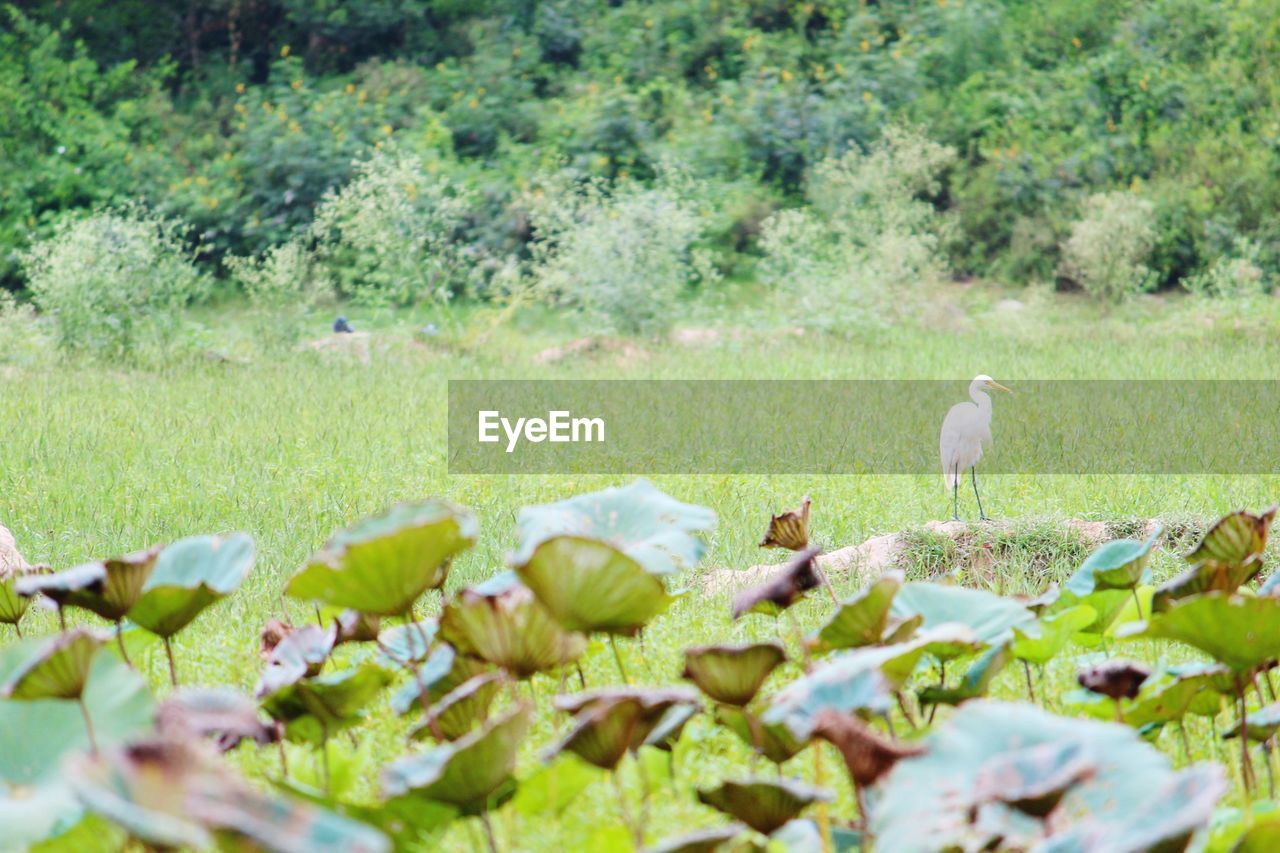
(651, 528)
(352, 626)
(552, 788)
(58, 668)
(13, 605)
(732, 674)
(1025, 756)
(976, 682)
(1120, 564)
(1262, 723)
(610, 723)
(383, 564)
(407, 644)
(464, 773)
(588, 585)
(1235, 630)
(764, 805)
(1041, 642)
(190, 575)
(1271, 587)
(851, 682)
(773, 740)
(803, 835)
(458, 712)
(1107, 605)
(108, 588)
(1262, 837)
(171, 793)
(501, 621)
(990, 617)
(1169, 696)
(31, 816)
(1229, 555)
(1045, 601)
(668, 730)
(440, 674)
(300, 654)
(115, 698)
(312, 709)
(861, 620)
(701, 841)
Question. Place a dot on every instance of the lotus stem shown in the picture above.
(324, 757)
(489, 836)
(319, 618)
(757, 741)
(798, 636)
(906, 712)
(582, 678)
(824, 814)
(1031, 689)
(826, 581)
(173, 667)
(88, 725)
(284, 760)
(1266, 676)
(617, 656)
(1246, 763)
(1137, 603)
(1271, 772)
(645, 793)
(62, 619)
(120, 642)
(643, 657)
(1186, 742)
(627, 819)
(18, 627)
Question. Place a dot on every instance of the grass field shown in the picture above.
(288, 447)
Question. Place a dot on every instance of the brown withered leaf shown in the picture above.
(1114, 678)
(789, 530)
(219, 712)
(867, 754)
(272, 633)
(355, 627)
(772, 597)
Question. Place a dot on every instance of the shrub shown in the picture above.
(1238, 274)
(866, 241)
(113, 279)
(284, 285)
(22, 338)
(391, 235)
(1109, 245)
(623, 257)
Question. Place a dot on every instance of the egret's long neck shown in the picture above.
(982, 399)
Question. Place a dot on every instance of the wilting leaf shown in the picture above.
(1230, 554)
(976, 682)
(406, 644)
(300, 654)
(861, 620)
(352, 626)
(653, 529)
(1042, 602)
(732, 674)
(1041, 642)
(1262, 723)
(13, 605)
(665, 734)
(1120, 564)
(464, 773)
(1116, 679)
(761, 804)
(588, 585)
(867, 754)
(442, 672)
(700, 841)
(381, 565)
(314, 708)
(218, 712)
(460, 709)
(108, 588)
(990, 617)
(789, 530)
(934, 801)
(190, 575)
(610, 723)
(171, 793)
(1034, 780)
(115, 696)
(57, 669)
(501, 621)
(782, 590)
(775, 741)
(1235, 630)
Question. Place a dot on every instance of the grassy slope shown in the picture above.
(96, 461)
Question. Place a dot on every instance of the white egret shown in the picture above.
(965, 430)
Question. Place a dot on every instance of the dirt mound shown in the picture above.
(586, 347)
(347, 344)
(10, 559)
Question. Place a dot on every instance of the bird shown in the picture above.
(341, 326)
(965, 430)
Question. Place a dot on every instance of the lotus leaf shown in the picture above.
(1229, 555)
(610, 723)
(190, 575)
(1170, 696)
(31, 816)
(1041, 642)
(976, 682)
(381, 565)
(108, 588)
(935, 801)
(352, 626)
(501, 621)
(301, 653)
(732, 674)
(443, 671)
(1261, 837)
(701, 841)
(861, 620)
(773, 740)
(764, 805)
(464, 773)
(1263, 723)
(460, 709)
(1235, 630)
(783, 589)
(588, 585)
(1120, 564)
(990, 617)
(13, 605)
(312, 709)
(58, 667)
(789, 530)
(407, 644)
(867, 755)
(651, 528)
(221, 712)
(667, 732)
(1271, 587)
(1115, 679)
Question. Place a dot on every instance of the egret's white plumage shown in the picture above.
(965, 431)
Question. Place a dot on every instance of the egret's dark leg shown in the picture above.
(982, 516)
(955, 495)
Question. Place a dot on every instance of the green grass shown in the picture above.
(290, 446)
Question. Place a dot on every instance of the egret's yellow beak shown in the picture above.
(996, 386)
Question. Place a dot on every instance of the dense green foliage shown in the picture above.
(239, 117)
